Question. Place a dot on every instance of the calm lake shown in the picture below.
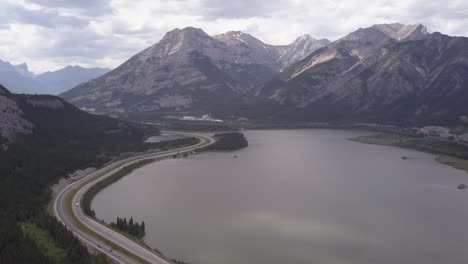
(298, 197)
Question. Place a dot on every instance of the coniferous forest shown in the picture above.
(63, 140)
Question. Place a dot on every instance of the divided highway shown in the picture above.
(61, 210)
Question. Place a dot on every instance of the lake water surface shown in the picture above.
(298, 197)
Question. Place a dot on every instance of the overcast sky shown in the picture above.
(50, 34)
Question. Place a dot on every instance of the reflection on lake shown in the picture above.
(300, 197)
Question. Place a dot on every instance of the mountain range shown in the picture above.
(19, 79)
(387, 73)
(395, 73)
(189, 70)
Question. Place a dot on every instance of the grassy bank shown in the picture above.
(450, 153)
(164, 145)
(85, 229)
(91, 193)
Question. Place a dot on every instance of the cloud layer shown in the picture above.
(48, 34)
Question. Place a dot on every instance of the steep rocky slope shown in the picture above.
(187, 70)
(248, 49)
(12, 120)
(302, 47)
(386, 74)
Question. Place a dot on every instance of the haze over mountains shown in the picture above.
(19, 79)
(66, 78)
(388, 73)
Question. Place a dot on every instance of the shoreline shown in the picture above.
(93, 191)
(114, 244)
(380, 139)
(443, 157)
(90, 194)
(385, 140)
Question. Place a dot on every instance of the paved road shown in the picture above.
(61, 211)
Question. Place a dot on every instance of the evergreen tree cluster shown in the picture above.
(131, 227)
(229, 141)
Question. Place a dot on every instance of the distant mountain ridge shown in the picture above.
(20, 80)
(66, 78)
(187, 70)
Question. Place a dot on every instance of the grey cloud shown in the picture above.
(70, 3)
(50, 19)
(85, 45)
(120, 29)
(213, 9)
(90, 30)
(90, 7)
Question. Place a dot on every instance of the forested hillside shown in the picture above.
(62, 139)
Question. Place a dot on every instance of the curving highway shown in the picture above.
(61, 210)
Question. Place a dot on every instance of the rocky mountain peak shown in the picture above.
(305, 38)
(232, 38)
(22, 69)
(360, 44)
(184, 40)
(188, 32)
(300, 48)
(73, 67)
(248, 49)
(18, 78)
(403, 32)
(365, 41)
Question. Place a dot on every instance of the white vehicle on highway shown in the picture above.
(77, 204)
